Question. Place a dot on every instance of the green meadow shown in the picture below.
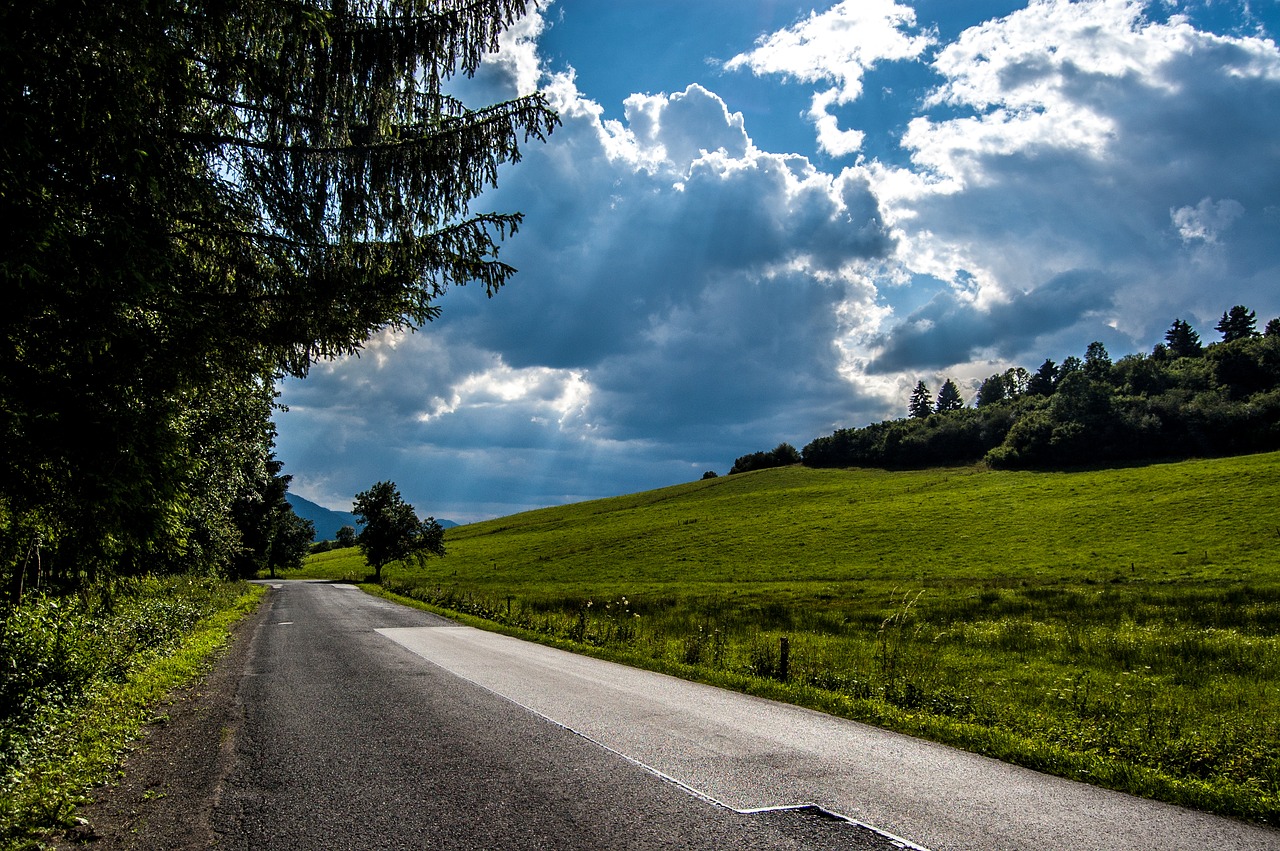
(1120, 626)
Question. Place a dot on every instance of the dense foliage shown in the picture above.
(784, 454)
(200, 197)
(1181, 400)
(61, 653)
(391, 531)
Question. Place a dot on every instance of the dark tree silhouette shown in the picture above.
(1183, 341)
(1239, 323)
(949, 398)
(921, 404)
(392, 531)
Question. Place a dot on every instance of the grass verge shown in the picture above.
(70, 749)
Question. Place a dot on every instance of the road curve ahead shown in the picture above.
(348, 740)
(444, 728)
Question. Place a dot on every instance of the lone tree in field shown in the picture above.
(391, 529)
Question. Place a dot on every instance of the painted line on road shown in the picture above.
(697, 793)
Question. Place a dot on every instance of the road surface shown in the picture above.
(347, 740)
(369, 725)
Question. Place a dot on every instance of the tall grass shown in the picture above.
(1120, 627)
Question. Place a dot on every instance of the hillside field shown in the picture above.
(1116, 626)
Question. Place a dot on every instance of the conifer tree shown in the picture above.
(1045, 379)
(949, 398)
(1239, 323)
(200, 196)
(1183, 341)
(921, 404)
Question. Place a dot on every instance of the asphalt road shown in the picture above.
(368, 725)
(348, 740)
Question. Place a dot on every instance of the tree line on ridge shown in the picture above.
(1183, 399)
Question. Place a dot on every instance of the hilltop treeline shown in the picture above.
(1184, 399)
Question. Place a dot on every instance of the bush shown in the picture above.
(783, 455)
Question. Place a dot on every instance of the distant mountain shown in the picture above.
(327, 521)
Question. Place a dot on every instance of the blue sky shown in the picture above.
(761, 221)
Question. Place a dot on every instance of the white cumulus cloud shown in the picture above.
(837, 46)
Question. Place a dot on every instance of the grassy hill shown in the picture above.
(1118, 626)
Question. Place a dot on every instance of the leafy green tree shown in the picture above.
(198, 197)
(1239, 323)
(949, 398)
(391, 529)
(1273, 327)
(346, 537)
(921, 404)
(783, 455)
(291, 542)
(1016, 380)
(1183, 341)
(1097, 362)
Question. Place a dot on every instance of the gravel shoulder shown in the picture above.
(171, 780)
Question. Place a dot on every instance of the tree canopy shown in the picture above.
(782, 455)
(391, 530)
(1181, 400)
(200, 197)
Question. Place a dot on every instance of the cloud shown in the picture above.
(1074, 171)
(952, 329)
(678, 303)
(837, 46)
(1064, 139)
(1205, 220)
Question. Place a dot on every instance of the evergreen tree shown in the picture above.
(1183, 341)
(949, 398)
(1239, 323)
(198, 197)
(921, 404)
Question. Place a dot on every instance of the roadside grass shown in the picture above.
(85, 675)
(1120, 627)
